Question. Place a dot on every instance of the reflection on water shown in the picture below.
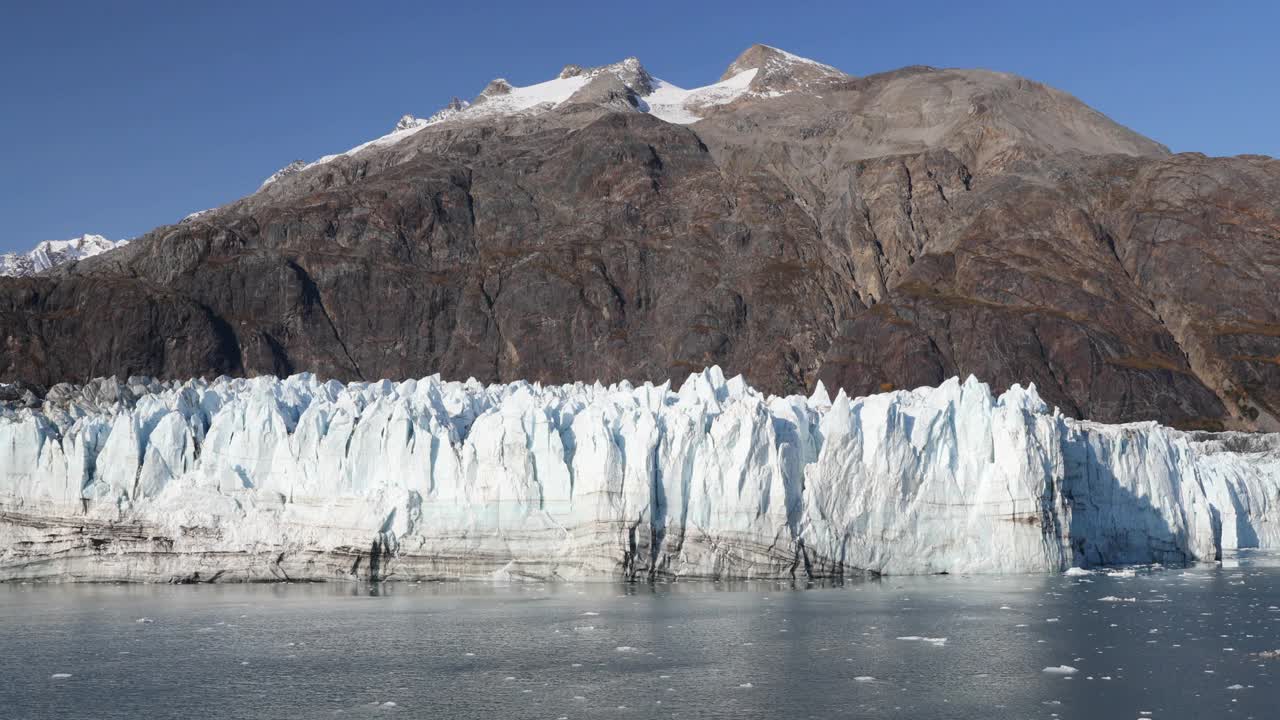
(1168, 643)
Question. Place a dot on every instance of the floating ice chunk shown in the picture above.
(1077, 572)
(930, 640)
(144, 620)
(1061, 670)
(60, 676)
(1114, 599)
(864, 679)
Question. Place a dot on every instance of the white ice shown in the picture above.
(297, 478)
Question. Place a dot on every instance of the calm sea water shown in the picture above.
(1186, 646)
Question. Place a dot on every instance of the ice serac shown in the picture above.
(260, 479)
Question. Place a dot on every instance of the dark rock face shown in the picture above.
(890, 231)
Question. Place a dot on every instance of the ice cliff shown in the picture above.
(261, 479)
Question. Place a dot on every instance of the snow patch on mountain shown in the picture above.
(454, 107)
(409, 122)
(252, 479)
(682, 107)
(52, 253)
(502, 98)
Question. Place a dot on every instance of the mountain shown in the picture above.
(299, 479)
(761, 71)
(52, 253)
(789, 222)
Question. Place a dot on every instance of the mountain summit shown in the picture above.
(788, 221)
(780, 71)
(992, 108)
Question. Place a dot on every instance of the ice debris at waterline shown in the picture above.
(260, 479)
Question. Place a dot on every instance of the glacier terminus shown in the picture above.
(269, 479)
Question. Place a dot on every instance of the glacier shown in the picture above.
(269, 479)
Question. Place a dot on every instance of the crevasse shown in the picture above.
(261, 479)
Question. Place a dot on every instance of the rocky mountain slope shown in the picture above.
(789, 222)
(52, 253)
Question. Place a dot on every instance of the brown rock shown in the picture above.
(888, 231)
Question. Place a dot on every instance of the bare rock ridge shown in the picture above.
(788, 222)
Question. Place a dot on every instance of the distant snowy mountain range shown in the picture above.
(52, 253)
(762, 71)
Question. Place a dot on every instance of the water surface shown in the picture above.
(1172, 643)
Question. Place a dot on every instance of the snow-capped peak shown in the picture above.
(496, 87)
(294, 167)
(455, 105)
(52, 253)
(500, 97)
(761, 71)
(778, 71)
(408, 122)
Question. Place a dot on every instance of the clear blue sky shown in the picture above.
(116, 117)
